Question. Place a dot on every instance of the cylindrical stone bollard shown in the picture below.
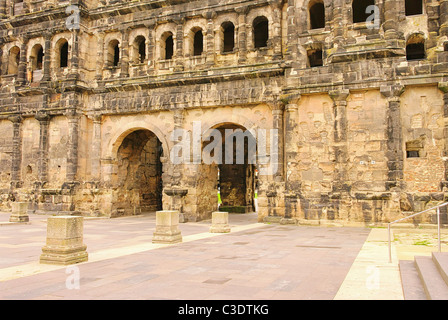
(19, 212)
(220, 222)
(167, 227)
(64, 241)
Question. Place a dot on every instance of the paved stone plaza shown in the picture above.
(254, 261)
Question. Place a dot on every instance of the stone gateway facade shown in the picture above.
(91, 91)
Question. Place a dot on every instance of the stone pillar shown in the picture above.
(3, 9)
(339, 98)
(74, 60)
(179, 56)
(291, 44)
(443, 86)
(220, 222)
(394, 152)
(21, 74)
(95, 155)
(16, 159)
(42, 169)
(47, 57)
(338, 23)
(19, 212)
(443, 18)
(292, 180)
(64, 244)
(72, 145)
(242, 34)
(100, 56)
(167, 228)
(150, 48)
(276, 7)
(277, 116)
(391, 17)
(210, 49)
(125, 53)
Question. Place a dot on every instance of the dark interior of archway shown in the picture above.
(236, 181)
(140, 170)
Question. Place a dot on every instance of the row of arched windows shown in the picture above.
(360, 11)
(196, 38)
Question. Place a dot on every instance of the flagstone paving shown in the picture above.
(253, 261)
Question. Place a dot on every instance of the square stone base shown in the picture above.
(63, 255)
(167, 227)
(220, 222)
(19, 218)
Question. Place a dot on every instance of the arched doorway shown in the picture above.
(138, 185)
(234, 173)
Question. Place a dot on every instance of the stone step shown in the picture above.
(411, 282)
(433, 283)
(441, 262)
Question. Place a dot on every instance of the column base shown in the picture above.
(167, 231)
(63, 255)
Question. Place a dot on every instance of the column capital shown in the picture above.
(42, 116)
(392, 91)
(339, 96)
(15, 119)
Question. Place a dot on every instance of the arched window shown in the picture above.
(113, 53)
(139, 50)
(261, 32)
(359, 9)
(37, 57)
(13, 60)
(413, 7)
(62, 53)
(415, 47)
(167, 46)
(198, 43)
(317, 14)
(228, 36)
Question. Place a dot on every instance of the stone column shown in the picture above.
(21, 74)
(47, 57)
(338, 22)
(2, 9)
(210, 49)
(125, 53)
(443, 86)
(95, 155)
(394, 152)
(339, 98)
(74, 60)
(100, 56)
(277, 117)
(72, 145)
(42, 164)
(391, 16)
(64, 245)
(16, 159)
(291, 51)
(443, 18)
(179, 56)
(276, 8)
(150, 48)
(292, 180)
(242, 34)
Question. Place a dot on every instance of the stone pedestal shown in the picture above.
(19, 212)
(167, 227)
(64, 241)
(220, 222)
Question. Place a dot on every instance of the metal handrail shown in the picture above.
(413, 215)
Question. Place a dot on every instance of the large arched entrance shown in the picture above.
(138, 185)
(234, 173)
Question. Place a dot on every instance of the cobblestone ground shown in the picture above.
(254, 261)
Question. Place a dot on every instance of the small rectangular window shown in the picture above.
(412, 154)
(413, 7)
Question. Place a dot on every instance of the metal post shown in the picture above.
(438, 230)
